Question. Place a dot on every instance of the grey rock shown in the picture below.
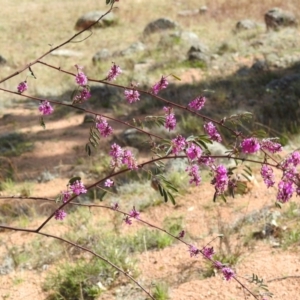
(46, 176)
(89, 18)
(7, 265)
(101, 55)
(198, 53)
(134, 48)
(203, 9)
(259, 65)
(284, 82)
(2, 60)
(160, 25)
(276, 18)
(66, 53)
(245, 25)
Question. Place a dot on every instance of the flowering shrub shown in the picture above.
(194, 149)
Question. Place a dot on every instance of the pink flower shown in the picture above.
(193, 172)
(250, 145)
(78, 188)
(197, 103)
(212, 132)
(134, 213)
(194, 251)
(81, 79)
(108, 183)
(157, 87)
(208, 252)
(103, 127)
(170, 122)
(22, 87)
(129, 160)
(181, 234)
(228, 273)
(113, 72)
(268, 144)
(132, 96)
(285, 191)
(115, 206)
(60, 214)
(193, 152)
(127, 220)
(220, 180)
(178, 144)
(82, 96)
(45, 108)
(267, 175)
(66, 196)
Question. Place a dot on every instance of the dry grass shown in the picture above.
(28, 28)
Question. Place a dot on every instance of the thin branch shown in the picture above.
(84, 249)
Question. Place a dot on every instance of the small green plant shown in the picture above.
(161, 291)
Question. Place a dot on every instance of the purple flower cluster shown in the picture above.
(250, 145)
(267, 175)
(45, 108)
(227, 272)
(82, 96)
(290, 182)
(197, 103)
(133, 214)
(271, 146)
(160, 85)
(212, 132)
(113, 72)
(178, 144)
(170, 123)
(108, 183)
(220, 181)
(60, 214)
(208, 252)
(132, 96)
(103, 127)
(22, 87)
(80, 78)
(78, 188)
(193, 172)
(194, 251)
(193, 152)
(120, 156)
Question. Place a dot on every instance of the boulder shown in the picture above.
(160, 25)
(245, 24)
(276, 18)
(103, 54)
(89, 18)
(133, 48)
(2, 60)
(199, 53)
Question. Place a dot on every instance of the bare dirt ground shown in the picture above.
(203, 221)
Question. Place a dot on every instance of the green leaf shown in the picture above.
(88, 149)
(42, 123)
(72, 180)
(176, 77)
(107, 1)
(160, 190)
(172, 198)
(165, 195)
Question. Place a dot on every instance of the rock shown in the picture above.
(245, 25)
(133, 48)
(160, 25)
(2, 60)
(103, 54)
(276, 18)
(66, 53)
(203, 9)
(284, 82)
(91, 17)
(7, 265)
(259, 65)
(199, 53)
(181, 41)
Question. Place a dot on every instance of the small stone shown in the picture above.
(159, 25)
